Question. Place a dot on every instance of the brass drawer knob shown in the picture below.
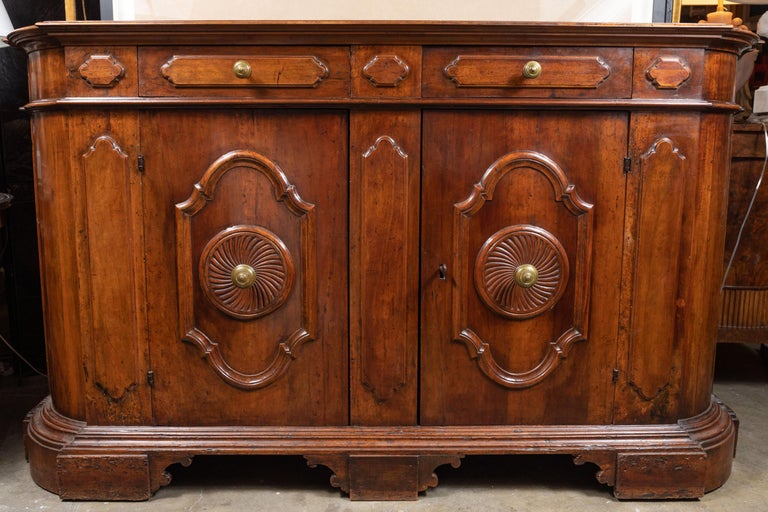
(532, 69)
(243, 276)
(242, 69)
(526, 276)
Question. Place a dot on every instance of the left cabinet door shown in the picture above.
(246, 235)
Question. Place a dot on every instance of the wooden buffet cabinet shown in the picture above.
(382, 246)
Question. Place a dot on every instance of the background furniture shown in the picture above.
(744, 317)
(383, 246)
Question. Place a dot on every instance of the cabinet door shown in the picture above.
(521, 266)
(246, 229)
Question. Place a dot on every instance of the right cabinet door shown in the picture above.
(522, 223)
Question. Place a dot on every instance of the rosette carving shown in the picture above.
(521, 271)
(246, 272)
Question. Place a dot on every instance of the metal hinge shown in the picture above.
(141, 163)
(615, 378)
(627, 165)
(151, 378)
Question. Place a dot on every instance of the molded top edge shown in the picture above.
(57, 33)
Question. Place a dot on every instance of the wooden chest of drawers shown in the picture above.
(383, 246)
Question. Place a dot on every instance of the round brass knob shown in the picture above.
(242, 69)
(243, 276)
(526, 275)
(532, 69)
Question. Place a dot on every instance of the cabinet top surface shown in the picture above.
(54, 34)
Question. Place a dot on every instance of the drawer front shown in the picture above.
(101, 71)
(264, 72)
(672, 73)
(386, 71)
(527, 72)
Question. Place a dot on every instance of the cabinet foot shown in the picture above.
(383, 477)
(672, 461)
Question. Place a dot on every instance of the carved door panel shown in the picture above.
(246, 236)
(521, 266)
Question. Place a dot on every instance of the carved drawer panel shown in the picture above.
(386, 71)
(104, 71)
(288, 72)
(663, 73)
(527, 72)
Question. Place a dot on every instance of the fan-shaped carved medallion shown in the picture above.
(246, 271)
(521, 271)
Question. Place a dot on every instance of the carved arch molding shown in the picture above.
(522, 271)
(246, 271)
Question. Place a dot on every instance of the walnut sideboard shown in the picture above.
(382, 246)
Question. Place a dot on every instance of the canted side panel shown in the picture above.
(55, 201)
(653, 347)
(109, 220)
(470, 230)
(46, 79)
(269, 192)
(704, 296)
(669, 291)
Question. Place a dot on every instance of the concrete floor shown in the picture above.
(488, 484)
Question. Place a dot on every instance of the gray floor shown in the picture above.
(510, 484)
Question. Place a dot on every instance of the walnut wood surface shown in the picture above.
(383, 183)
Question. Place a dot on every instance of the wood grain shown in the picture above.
(389, 185)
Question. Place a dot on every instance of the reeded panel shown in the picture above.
(246, 272)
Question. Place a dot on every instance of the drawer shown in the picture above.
(672, 73)
(527, 72)
(263, 72)
(101, 71)
(386, 71)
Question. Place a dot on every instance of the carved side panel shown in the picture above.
(383, 340)
(246, 272)
(384, 252)
(110, 260)
(521, 271)
(657, 234)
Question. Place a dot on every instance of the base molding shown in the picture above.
(672, 461)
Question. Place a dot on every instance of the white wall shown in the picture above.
(635, 11)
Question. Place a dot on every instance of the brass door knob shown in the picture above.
(532, 69)
(526, 275)
(242, 69)
(243, 276)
